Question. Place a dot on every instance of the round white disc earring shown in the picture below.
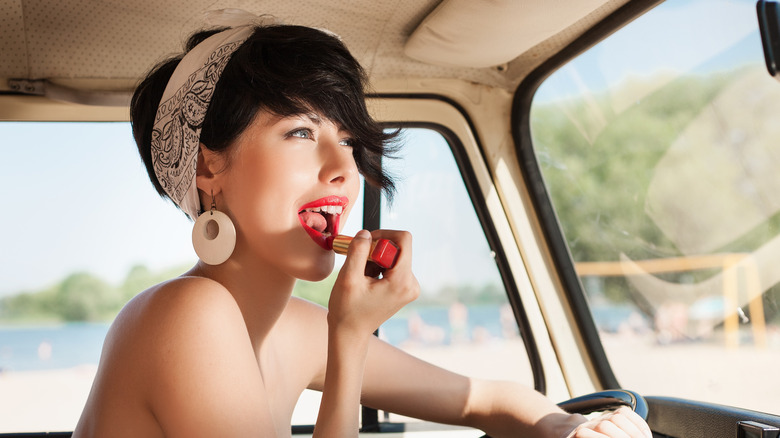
(213, 236)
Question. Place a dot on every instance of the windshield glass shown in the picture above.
(659, 151)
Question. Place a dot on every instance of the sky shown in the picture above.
(708, 27)
(82, 202)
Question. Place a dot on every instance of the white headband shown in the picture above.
(177, 125)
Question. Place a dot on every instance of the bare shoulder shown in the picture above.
(179, 298)
(172, 315)
(164, 359)
(178, 322)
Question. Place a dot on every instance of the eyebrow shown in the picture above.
(313, 117)
(317, 120)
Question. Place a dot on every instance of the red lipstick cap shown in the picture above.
(384, 253)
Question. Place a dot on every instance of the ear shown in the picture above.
(210, 166)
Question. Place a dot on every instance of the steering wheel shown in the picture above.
(604, 400)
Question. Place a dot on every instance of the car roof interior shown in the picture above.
(94, 53)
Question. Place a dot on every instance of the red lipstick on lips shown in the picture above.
(321, 218)
(383, 252)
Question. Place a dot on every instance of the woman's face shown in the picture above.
(289, 183)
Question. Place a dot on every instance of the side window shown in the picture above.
(462, 320)
(658, 148)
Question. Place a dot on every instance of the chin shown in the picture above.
(319, 271)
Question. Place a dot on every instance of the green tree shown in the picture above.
(598, 164)
(138, 279)
(586, 150)
(84, 297)
(316, 292)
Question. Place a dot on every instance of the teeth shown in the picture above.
(327, 209)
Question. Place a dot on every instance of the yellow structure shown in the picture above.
(731, 264)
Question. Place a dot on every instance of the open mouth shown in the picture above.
(321, 218)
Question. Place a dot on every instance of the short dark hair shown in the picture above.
(286, 70)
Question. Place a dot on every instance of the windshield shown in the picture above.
(658, 148)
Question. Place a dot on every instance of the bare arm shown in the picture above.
(358, 305)
(398, 382)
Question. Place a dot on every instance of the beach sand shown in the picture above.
(43, 401)
(745, 376)
(52, 400)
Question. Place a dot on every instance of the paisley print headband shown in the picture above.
(179, 119)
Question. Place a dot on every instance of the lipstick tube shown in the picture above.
(383, 252)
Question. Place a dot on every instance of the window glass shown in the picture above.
(86, 234)
(89, 232)
(659, 151)
(462, 320)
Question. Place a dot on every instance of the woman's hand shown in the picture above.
(360, 303)
(619, 423)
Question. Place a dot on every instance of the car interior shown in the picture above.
(592, 186)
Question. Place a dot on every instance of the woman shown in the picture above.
(266, 129)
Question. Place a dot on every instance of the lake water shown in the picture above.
(24, 348)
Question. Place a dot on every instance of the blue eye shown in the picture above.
(347, 142)
(301, 133)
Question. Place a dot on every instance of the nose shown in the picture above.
(338, 163)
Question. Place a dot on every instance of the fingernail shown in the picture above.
(363, 234)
